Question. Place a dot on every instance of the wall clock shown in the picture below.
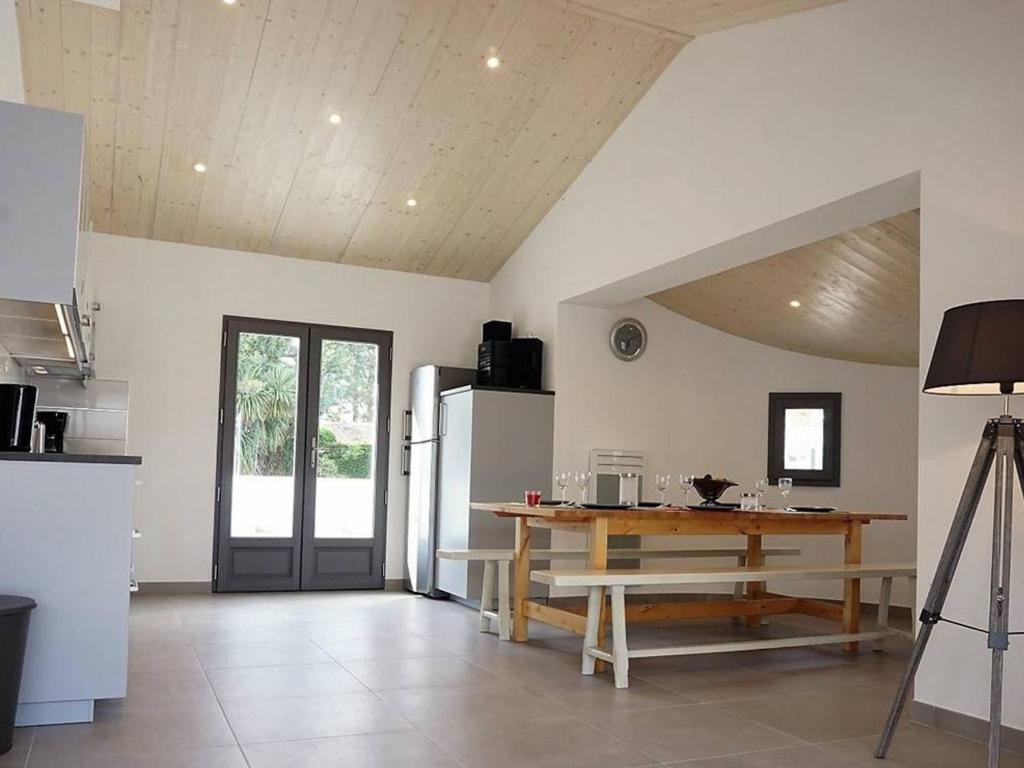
(628, 339)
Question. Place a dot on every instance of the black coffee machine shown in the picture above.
(17, 410)
(56, 424)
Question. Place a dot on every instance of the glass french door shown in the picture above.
(302, 457)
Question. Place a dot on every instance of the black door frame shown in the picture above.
(302, 564)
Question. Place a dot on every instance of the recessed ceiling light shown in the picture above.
(229, 2)
(335, 119)
(493, 62)
(199, 168)
(39, 370)
(412, 202)
(794, 303)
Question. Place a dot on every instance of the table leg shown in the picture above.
(755, 559)
(851, 589)
(521, 593)
(597, 545)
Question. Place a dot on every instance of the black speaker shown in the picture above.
(526, 363)
(497, 330)
(493, 359)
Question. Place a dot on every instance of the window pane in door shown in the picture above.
(263, 477)
(805, 438)
(346, 441)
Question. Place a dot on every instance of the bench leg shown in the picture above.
(883, 607)
(620, 651)
(504, 610)
(737, 590)
(487, 595)
(595, 601)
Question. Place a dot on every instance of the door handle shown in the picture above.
(313, 455)
(442, 427)
(407, 425)
(406, 459)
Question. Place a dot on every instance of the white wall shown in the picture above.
(160, 327)
(764, 122)
(12, 87)
(697, 402)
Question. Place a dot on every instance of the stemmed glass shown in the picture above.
(685, 484)
(760, 488)
(662, 482)
(785, 486)
(562, 481)
(582, 481)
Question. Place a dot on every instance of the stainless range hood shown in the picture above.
(47, 339)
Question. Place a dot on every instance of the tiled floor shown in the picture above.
(388, 680)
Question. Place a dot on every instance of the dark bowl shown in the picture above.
(711, 488)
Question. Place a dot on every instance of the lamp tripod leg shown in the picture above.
(946, 568)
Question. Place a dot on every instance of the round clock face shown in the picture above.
(628, 339)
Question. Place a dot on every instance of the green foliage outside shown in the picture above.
(265, 406)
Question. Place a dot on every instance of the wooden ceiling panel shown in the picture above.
(247, 89)
(858, 294)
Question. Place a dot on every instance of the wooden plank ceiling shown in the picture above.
(248, 89)
(858, 294)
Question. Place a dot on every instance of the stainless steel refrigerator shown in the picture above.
(424, 424)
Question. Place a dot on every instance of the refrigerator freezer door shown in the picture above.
(423, 403)
(421, 523)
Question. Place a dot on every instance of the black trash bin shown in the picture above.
(14, 616)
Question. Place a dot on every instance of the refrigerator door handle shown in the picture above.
(406, 459)
(407, 425)
(442, 420)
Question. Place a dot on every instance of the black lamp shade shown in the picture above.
(980, 350)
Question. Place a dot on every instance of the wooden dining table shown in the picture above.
(599, 524)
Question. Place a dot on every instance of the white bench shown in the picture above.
(617, 580)
(499, 559)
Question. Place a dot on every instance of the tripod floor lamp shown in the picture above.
(979, 351)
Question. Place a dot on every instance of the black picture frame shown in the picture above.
(832, 404)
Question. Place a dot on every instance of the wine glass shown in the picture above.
(785, 486)
(760, 488)
(685, 484)
(662, 482)
(582, 481)
(562, 481)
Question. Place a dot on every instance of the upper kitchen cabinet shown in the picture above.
(41, 160)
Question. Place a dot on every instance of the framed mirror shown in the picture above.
(804, 436)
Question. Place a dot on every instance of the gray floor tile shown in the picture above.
(790, 757)
(18, 754)
(438, 672)
(916, 746)
(167, 686)
(816, 717)
(130, 728)
(688, 732)
(442, 707)
(290, 680)
(550, 743)
(377, 750)
(152, 656)
(719, 683)
(286, 718)
(260, 654)
(403, 646)
(214, 757)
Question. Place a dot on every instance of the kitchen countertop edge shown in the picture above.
(70, 458)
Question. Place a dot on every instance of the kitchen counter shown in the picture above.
(70, 458)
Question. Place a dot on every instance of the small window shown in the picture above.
(804, 437)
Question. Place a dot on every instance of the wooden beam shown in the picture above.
(558, 617)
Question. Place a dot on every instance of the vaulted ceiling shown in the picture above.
(858, 295)
(318, 121)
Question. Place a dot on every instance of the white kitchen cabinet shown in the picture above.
(41, 162)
